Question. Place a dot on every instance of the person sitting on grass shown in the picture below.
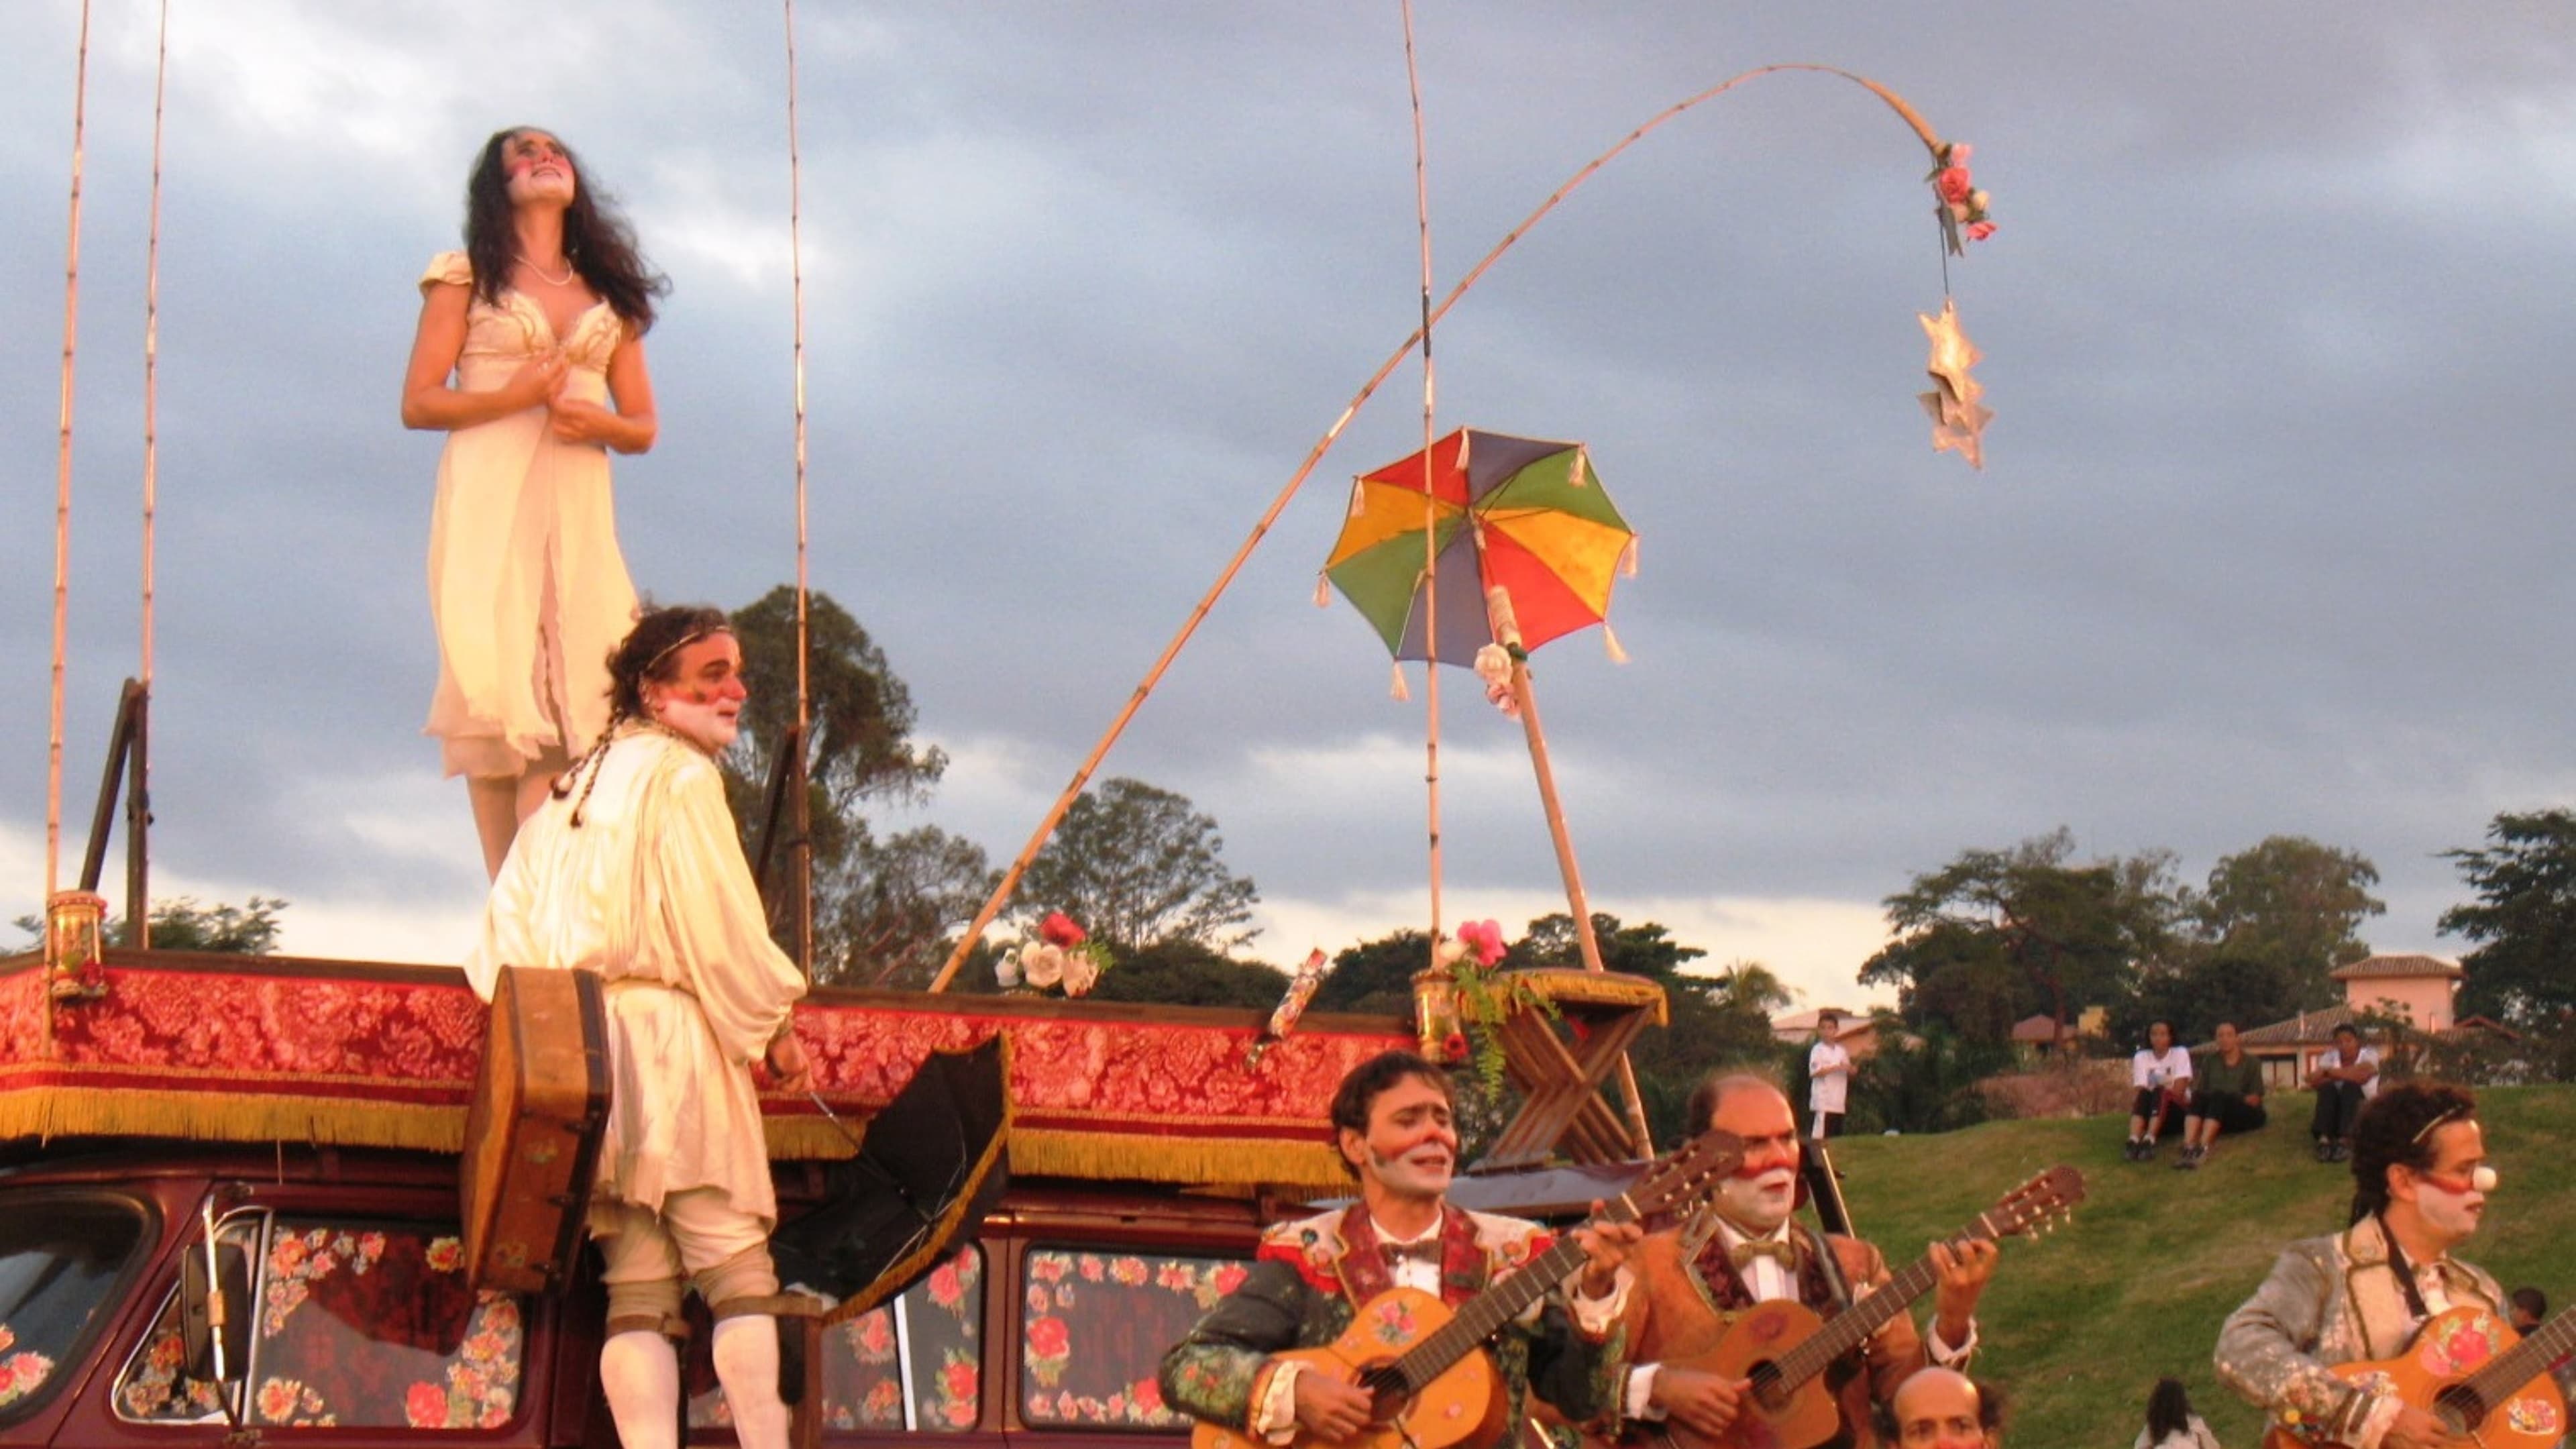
(2226, 1095)
(2345, 1076)
(2170, 1422)
(2161, 1072)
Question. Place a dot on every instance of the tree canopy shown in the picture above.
(1140, 866)
(2524, 969)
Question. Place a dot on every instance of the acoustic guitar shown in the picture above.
(1421, 1362)
(1781, 1348)
(2467, 1368)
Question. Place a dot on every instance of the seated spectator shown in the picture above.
(1939, 1408)
(2161, 1072)
(2528, 1308)
(2346, 1076)
(2226, 1096)
(2170, 1422)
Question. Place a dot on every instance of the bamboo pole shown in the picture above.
(1261, 527)
(138, 797)
(800, 855)
(1430, 492)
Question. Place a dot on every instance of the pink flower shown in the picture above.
(945, 1290)
(1485, 938)
(1048, 1337)
(1230, 1276)
(1954, 185)
(1454, 1047)
(425, 1406)
(1980, 230)
(1058, 929)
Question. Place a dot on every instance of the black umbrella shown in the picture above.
(930, 1165)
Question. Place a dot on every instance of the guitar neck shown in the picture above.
(1867, 1316)
(1481, 1316)
(2529, 1360)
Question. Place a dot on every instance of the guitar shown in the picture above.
(1419, 1360)
(1782, 1348)
(2466, 1369)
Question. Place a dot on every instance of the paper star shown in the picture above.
(1958, 419)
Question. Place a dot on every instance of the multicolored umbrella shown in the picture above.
(1523, 513)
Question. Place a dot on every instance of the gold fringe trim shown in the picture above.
(49, 1112)
(1118, 1155)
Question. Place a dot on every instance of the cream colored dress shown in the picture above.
(526, 586)
(651, 892)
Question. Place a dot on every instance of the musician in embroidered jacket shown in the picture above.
(1392, 1123)
(2359, 1296)
(1695, 1280)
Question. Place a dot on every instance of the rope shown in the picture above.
(1430, 500)
(803, 885)
(1288, 491)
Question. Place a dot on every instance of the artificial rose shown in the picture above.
(425, 1406)
(1454, 1047)
(1980, 230)
(1042, 966)
(1485, 937)
(1448, 951)
(1058, 929)
(1081, 971)
(1954, 185)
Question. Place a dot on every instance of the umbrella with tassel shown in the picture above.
(1524, 547)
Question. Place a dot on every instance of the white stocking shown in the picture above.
(640, 1375)
(746, 1353)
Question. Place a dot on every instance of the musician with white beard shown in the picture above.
(1693, 1280)
(632, 870)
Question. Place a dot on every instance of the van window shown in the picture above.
(355, 1325)
(156, 1387)
(1095, 1326)
(913, 1364)
(59, 1257)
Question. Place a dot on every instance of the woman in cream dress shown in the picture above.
(530, 356)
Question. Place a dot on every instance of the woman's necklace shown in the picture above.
(543, 275)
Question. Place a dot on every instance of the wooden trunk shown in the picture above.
(532, 1134)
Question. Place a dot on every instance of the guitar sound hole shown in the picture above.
(2460, 1407)
(1765, 1383)
(1388, 1394)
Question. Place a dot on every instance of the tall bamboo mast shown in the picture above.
(800, 854)
(1430, 497)
(63, 478)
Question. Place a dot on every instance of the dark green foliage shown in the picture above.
(1137, 866)
(1925, 1083)
(184, 925)
(2524, 970)
(1185, 973)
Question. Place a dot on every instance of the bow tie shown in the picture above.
(1777, 1250)
(1421, 1250)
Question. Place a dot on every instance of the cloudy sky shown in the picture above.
(2271, 536)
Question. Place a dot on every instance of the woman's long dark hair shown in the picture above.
(596, 239)
(2168, 1411)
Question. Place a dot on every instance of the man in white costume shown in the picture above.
(632, 870)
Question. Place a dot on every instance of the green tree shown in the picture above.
(2524, 970)
(1138, 866)
(888, 913)
(1995, 931)
(184, 925)
(1185, 973)
(1375, 977)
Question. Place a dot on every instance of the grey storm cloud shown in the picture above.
(2268, 540)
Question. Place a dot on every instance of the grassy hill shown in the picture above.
(2078, 1325)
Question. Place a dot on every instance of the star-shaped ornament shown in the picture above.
(1958, 418)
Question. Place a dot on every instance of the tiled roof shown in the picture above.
(2371, 967)
(2305, 1029)
(2040, 1028)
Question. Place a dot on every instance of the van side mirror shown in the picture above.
(207, 1309)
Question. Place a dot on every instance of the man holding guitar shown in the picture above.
(1314, 1277)
(2421, 1182)
(1692, 1294)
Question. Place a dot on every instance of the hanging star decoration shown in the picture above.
(1963, 207)
(1958, 418)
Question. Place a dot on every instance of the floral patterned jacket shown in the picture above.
(2331, 1301)
(1309, 1280)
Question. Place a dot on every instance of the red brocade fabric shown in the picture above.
(291, 1049)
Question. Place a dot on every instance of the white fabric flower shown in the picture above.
(1042, 965)
(1081, 970)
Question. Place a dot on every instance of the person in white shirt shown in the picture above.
(2161, 1073)
(2346, 1075)
(1828, 1077)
